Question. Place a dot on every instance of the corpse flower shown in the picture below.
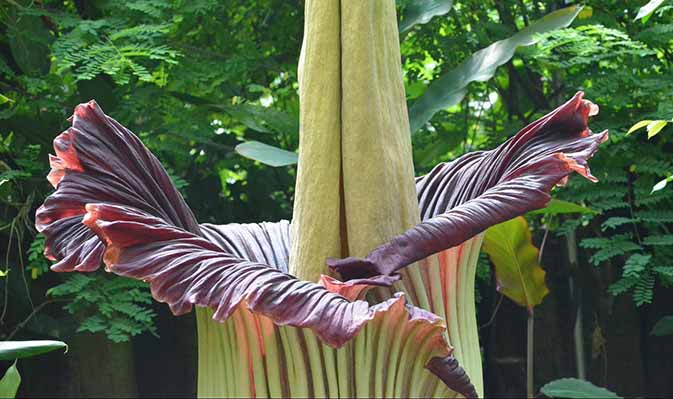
(396, 316)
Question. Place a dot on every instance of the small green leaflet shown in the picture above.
(422, 11)
(10, 382)
(10, 350)
(662, 239)
(5, 99)
(266, 154)
(559, 207)
(575, 388)
(636, 264)
(449, 89)
(663, 327)
(616, 221)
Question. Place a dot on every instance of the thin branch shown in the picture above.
(9, 250)
(30, 316)
(495, 311)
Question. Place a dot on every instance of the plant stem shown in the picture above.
(575, 297)
(529, 355)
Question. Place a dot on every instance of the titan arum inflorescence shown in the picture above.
(298, 315)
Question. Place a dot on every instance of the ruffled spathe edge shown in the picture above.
(462, 198)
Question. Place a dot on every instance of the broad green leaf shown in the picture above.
(10, 350)
(587, 12)
(450, 88)
(422, 11)
(519, 275)
(10, 382)
(655, 127)
(648, 8)
(28, 40)
(661, 184)
(638, 125)
(266, 154)
(575, 388)
(663, 327)
(560, 207)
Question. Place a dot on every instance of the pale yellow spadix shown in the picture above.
(355, 183)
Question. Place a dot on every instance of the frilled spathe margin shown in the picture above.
(99, 160)
(462, 198)
(114, 202)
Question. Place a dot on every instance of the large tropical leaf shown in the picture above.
(422, 11)
(10, 350)
(575, 388)
(451, 87)
(459, 199)
(648, 8)
(266, 154)
(520, 277)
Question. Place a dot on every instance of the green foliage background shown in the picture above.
(194, 78)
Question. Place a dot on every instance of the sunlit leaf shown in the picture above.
(638, 125)
(519, 275)
(10, 350)
(655, 127)
(663, 327)
(648, 8)
(661, 184)
(422, 11)
(575, 388)
(10, 382)
(450, 88)
(560, 207)
(266, 154)
(587, 12)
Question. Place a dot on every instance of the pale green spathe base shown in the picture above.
(247, 356)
